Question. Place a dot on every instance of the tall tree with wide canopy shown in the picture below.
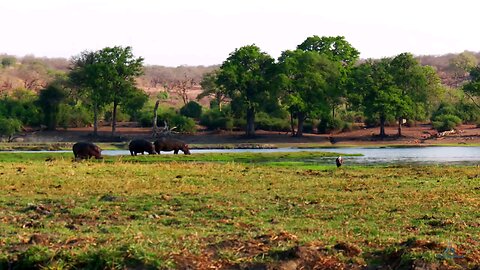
(107, 76)
(338, 50)
(374, 90)
(84, 78)
(119, 68)
(306, 78)
(245, 77)
(416, 84)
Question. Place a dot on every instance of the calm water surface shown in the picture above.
(406, 155)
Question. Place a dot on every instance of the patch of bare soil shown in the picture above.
(422, 134)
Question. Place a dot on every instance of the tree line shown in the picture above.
(321, 85)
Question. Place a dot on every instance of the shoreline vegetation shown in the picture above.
(234, 211)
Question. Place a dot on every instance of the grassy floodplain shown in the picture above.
(234, 211)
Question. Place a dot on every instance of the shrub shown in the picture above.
(192, 109)
(74, 116)
(329, 124)
(266, 122)
(215, 119)
(9, 126)
(446, 122)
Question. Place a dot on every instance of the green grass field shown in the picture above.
(234, 211)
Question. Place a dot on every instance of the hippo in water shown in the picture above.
(169, 144)
(86, 150)
(141, 146)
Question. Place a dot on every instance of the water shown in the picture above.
(384, 155)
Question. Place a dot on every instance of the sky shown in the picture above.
(205, 32)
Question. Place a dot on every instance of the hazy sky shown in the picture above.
(204, 32)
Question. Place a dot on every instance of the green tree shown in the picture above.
(306, 78)
(9, 127)
(117, 71)
(8, 61)
(85, 80)
(462, 64)
(416, 83)
(106, 76)
(134, 102)
(245, 76)
(375, 92)
(211, 88)
(49, 100)
(472, 88)
(337, 50)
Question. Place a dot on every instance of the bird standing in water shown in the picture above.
(339, 161)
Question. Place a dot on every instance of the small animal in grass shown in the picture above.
(339, 161)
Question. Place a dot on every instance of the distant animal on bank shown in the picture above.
(339, 161)
(86, 150)
(169, 144)
(141, 146)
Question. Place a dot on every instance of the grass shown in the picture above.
(232, 210)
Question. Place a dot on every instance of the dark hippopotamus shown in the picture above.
(169, 144)
(141, 146)
(86, 150)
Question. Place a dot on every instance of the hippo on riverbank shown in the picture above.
(86, 150)
(141, 146)
(169, 144)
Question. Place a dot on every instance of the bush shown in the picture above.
(215, 119)
(182, 123)
(446, 122)
(21, 105)
(9, 126)
(75, 116)
(192, 109)
(329, 124)
(266, 122)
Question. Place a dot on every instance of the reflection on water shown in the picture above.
(406, 155)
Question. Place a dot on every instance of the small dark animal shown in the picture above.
(141, 146)
(169, 144)
(339, 161)
(86, 150)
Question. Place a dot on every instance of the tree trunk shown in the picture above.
(400, 119)
(292, 124)
(155, 115)
(301, 120)
(382, 127)
(114, 118)
(333, 111)
(250, 132)
(95, 120)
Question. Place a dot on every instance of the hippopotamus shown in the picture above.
(141, 146)
(170, 144)
(86, 150)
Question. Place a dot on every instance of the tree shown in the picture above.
(462, 64)
(374, 90)
(472, 88)
(338, 50)
(245, 76)
(306, 78)
(117, 71)
(211, 88)
(9, 127)
(106, 76)
(415, 82)
(84, 78)
(49, 100)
